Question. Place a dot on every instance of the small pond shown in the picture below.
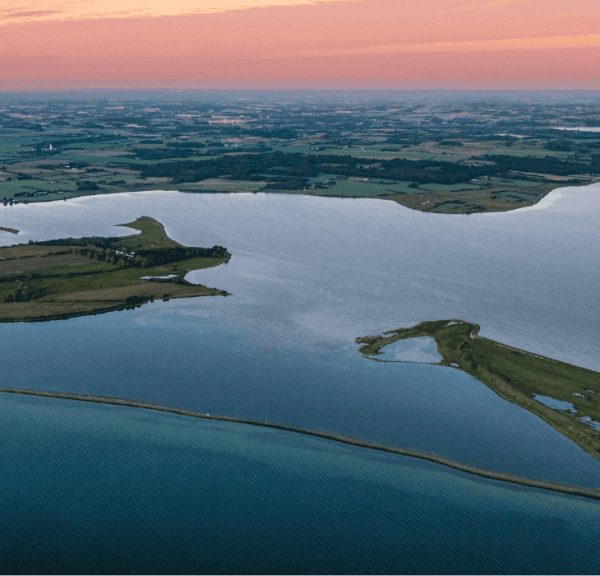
(422, 350)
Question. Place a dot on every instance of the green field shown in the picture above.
(448, 187)
(71, 277)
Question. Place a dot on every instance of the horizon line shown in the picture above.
(299, 85)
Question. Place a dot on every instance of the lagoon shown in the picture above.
(321, 271)
(421, 350)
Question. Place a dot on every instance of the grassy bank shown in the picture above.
(76, 277)
(515, 375)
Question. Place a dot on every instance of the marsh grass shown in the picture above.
(515, 375)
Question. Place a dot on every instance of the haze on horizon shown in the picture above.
(268, 43)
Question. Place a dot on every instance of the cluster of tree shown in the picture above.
(297, 165)
(17, 125)
(98, 241)
(86, 185)
(160, 256)
(163, 153)
(107, 250)
(25, 293)
(561, 146)
(186, 145)
(543, 165)
(280, 133)
(252, 166)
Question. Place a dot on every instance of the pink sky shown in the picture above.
(487, 43)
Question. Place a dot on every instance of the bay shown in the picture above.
(309, 275)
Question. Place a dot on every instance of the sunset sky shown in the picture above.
(300, 43)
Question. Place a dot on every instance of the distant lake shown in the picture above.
(308, 275)
(582, 129)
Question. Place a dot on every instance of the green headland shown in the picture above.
(79, 276)
(515, 375)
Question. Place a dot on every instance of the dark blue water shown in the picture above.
(101, 489)
(160, 353)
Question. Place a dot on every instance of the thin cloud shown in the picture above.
(29, 13)
(48, 10)
(488, 5)
(535, 43)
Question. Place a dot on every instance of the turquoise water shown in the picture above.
(100, 489)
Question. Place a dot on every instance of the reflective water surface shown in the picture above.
(422, 350)
(307, 277)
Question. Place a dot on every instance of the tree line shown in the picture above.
(293, 166)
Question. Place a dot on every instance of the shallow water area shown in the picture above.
(167, 277)
(422, 350)
(555, 404)
(581, 129)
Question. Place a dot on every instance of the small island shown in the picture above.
(68, 277)
(565, 396)
(9, 230)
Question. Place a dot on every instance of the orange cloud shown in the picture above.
(542, 43)
(52, 10)
(359, 39)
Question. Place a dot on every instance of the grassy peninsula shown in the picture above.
(515, 375)
(79, 276)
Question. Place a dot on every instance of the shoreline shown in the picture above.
(397, 198)
(341, 438)
(513, 374)
(45, 289)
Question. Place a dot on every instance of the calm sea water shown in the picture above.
(308, 275)
(99, 489)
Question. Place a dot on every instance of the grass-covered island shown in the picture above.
(515, 375)
(79, 276)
